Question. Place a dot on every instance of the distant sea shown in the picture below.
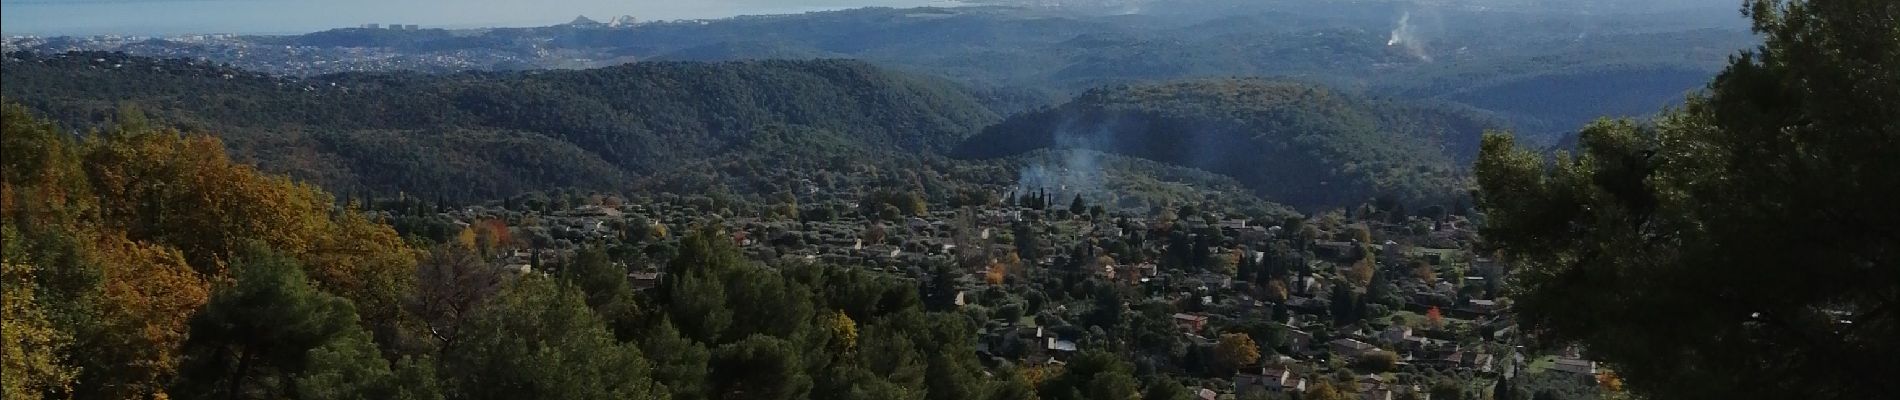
(175, 17)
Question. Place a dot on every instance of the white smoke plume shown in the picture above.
(1075, 169)
(1406, 36)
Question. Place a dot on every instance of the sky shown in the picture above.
(170, 17)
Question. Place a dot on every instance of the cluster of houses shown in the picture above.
(958, 236)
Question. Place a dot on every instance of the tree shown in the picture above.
(873, 234)
(1114, 386)
(1693, 222)
(1324, 390)
(1166, 389)
(1234, 351)
(1359, 233)
(1502, 390)
(1383, 292)
(1378, 361)
(684, 369)
(147, 295)
(763, 302)
(1446, 389)
(1425, 273)
(607, 290)
(1276, 291)
(694, 291)
(537, 339)
(451, 282)
(1360, 272)
(1343, 304)
(1028, 246)
(1093, 375)
(758, 367)
(1014, 387)
(351, 368)
(32, 366)
(1108, 306)
(253, 338)
(1227, 263)
(951, 376)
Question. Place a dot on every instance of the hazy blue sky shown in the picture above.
(148, 17)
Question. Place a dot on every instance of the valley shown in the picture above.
(994, 200)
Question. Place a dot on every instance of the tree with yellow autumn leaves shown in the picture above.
(115, 240)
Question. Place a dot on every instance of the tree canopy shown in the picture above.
(1742, 246)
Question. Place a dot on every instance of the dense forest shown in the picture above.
(690, 227)
(756, 129)
(142, 262)
(1043, 52)
(485, 135)
(1296, 144)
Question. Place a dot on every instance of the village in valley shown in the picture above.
(1374, 302)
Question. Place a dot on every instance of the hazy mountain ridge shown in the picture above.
(581, 128)
(1298, 144)
(1410, 49)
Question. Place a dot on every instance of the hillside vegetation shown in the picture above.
(1296, 144)
(474, 135)
(1537, 63)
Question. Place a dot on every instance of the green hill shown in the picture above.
(1297, 144)
(479, 134)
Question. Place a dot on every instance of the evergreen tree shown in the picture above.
(608, 292)
(683, 362)
(537, 339)
(254, 338)
(759, 367)
(1754, 223)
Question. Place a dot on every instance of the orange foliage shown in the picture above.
(1002, 268)
(365, 262)
(1235, 350)
(1037, 374)
(1013, 260)
(184, 191)
(1609, 382)
(1361, 272)
(493, 234)
(42, 180)
(1434, 317)
(147, 297)
(1424, 271)
(157, 215)
(1276, 290)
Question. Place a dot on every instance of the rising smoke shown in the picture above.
(1075, 168)
(1407, 36)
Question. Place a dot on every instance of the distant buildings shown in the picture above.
(1190, 323)
(1268, 380)
(1574, 366)
(1348, 347)
(394, 27)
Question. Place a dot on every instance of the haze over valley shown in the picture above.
(983, 199)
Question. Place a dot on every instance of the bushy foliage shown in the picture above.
(1762, 206)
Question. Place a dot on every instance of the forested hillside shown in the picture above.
(142, 263)
(475, 135)
(1547, 66)
(1296, 144)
